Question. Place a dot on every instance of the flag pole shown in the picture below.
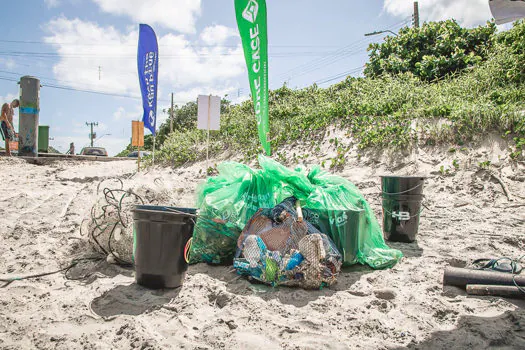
(138, 160)
(208, 138)
(153, 149)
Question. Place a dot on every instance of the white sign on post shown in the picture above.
(208, 116)
(209, 112)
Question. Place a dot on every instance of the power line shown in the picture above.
(66, 82)
(99, 92)
(42, 78)
(91, 91)
(112, 45)
(52, 86)
(164, 56)
(340, 75)
(335, 56)
(320, 60)
(331, 60)
(8, 79)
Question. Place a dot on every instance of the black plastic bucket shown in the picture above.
(162, 236)
(402, 197)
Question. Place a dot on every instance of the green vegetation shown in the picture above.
(184, 119)
(432, 51)
(481, 91)
(484, 165)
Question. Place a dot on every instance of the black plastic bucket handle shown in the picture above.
(403, 192)
(179, 212)
(401, 185)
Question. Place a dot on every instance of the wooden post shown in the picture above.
(153, 149)
(137, 138)
(138, 160)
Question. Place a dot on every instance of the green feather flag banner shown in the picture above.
(251, 20)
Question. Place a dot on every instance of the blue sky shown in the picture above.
(92, 44)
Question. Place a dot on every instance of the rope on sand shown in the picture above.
(111, 217)
(66, 269)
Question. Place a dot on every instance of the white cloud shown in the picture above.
(467, 13)
(52, 3)
(217, 34)
(8, 98)
(183, 66)
(121, 114)
(8, 63)
(179, 15)
(191, 94)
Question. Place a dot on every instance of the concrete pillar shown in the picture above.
(28, 114)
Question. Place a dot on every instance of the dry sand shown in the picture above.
(469, 217)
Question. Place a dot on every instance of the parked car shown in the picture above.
(94, 151)
(135, 154)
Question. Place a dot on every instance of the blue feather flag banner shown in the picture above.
(148, 64)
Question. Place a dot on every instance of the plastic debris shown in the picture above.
(273, 250)
(331, 205)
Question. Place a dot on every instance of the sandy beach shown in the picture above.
(469, 216)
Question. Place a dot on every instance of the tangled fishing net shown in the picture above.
(278, 248)
(110, 223)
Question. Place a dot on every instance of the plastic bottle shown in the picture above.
(295, 260)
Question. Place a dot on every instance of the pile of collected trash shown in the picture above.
(279, 247)
(249, 214)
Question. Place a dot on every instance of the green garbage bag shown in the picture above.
(342, 212)
(226, 202)
(332, 204)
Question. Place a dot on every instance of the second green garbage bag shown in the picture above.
(332, 204)
(226, 202)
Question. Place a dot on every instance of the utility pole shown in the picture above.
(171, 114)
(92, 135)
(416, 14)
(99, 71)
(29, 116)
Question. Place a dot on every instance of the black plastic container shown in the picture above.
(402, 197)
(160, 238)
